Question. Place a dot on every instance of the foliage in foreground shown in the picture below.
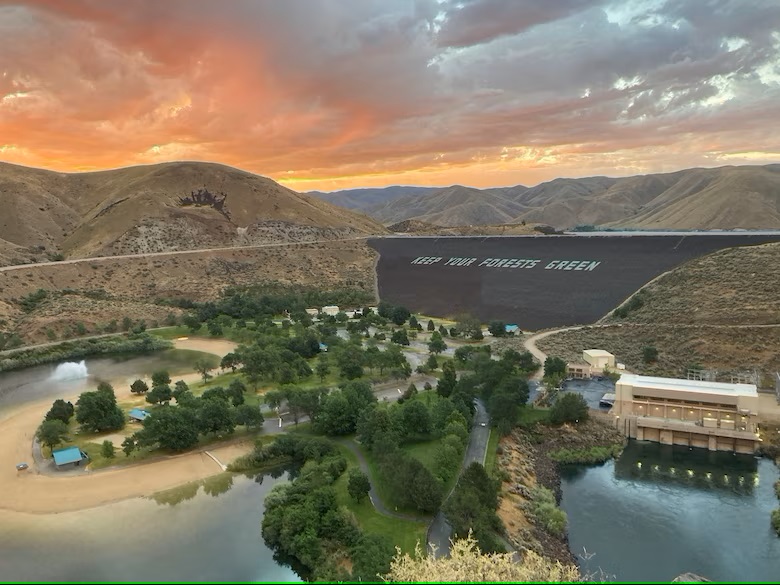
(545, 511)
(467, 565)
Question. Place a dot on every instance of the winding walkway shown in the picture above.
(373, 495)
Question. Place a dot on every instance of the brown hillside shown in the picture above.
(138, 209)
(451, 206)
(745, 197)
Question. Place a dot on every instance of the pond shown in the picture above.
(660, 511)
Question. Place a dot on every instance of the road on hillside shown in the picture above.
(440, 531)
(177, 253)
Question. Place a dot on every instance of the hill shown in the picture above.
(362, 199)
(157, 208)
(746, 197)
(452, 206)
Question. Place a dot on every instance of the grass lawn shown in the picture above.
(530, 416)
(402, 533)
(492, 453)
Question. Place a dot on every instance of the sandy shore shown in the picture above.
(30, 491)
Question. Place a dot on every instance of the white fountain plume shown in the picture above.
(70, 371)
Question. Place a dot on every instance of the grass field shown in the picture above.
(403, 533)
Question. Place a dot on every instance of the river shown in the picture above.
(660, 511)
(211, 536)
(204, 531)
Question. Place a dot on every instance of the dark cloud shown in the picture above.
(474, 22)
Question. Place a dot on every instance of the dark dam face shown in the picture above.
(536, 282)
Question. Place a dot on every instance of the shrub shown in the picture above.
(776, 520)
(570, 407)
(546, 512)
(107, 449)
(777, 489)
(588, 456)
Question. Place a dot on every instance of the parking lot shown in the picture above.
(591, 390)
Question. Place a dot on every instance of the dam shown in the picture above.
(538, 282)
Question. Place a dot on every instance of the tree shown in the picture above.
(249, 416)
(323, 368)
(505, 402)
(139, 387)
(350, 361)
(230, 361)
(465, 564)
(129, 445)
(215, 328)
(497, 328)
(432, 363)
(97, 411)
(203, 367)
(415, 419)
(215, 393)
(431, 325)
(571, 407)
(447, 382)
(236, 391)
(413, 323)
(274, 399)
(107, 449)
(443, 331)
(399, 315)
(469, 326)
(171, 428)
(336, 416)
(554, 366)
(400, 337)
(215, 416)
(436, 344)
(191, 322)
(182, 394)
(60, 410)
(160, 394)
(358, 485)
(649, 354)
(160, 377)
(52, 432)
(371, 558)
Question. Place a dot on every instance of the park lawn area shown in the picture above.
(173, 332)
(529, 416)
(402, 533)
(424, 452)
(492, 452)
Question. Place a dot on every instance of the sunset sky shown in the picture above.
(331, 94)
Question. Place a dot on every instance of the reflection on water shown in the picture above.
(205, 531)
(37, 383)
(660, 511)
(693, 468)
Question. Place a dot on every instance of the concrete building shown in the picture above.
(671, 411)
(330, 310)
(598, 359)
(593, 363)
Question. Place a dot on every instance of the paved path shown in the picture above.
(440, 531)
(373, 494)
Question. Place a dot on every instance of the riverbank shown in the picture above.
(526, 464)
(33, 492)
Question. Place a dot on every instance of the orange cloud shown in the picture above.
(323, 95)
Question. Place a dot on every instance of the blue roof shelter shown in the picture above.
(323, 347)
(68, 455)
(511, 328)
(139, 414)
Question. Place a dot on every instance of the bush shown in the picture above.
(107, 449)
(546, 513)
(589, 456)
(776, 520)
(777, 489)
(649, 354)
(570, 407)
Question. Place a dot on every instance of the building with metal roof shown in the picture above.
(139, 414)
(67, 456)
